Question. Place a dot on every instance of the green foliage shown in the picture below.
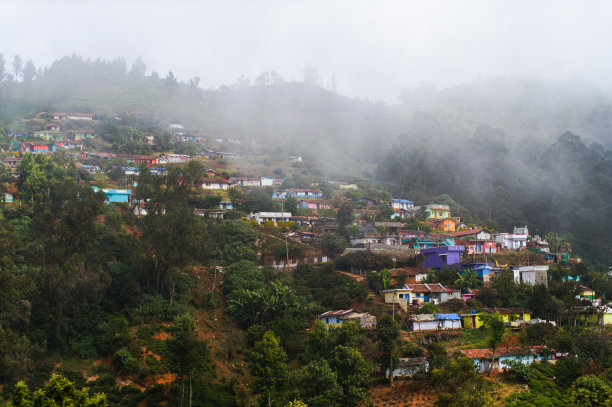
(58, 392)
(428, 308)
(591, 391)
(269, 367)
(125, 361)
(458, 383)
(387, 333)
(334, 244)
(364, 260)
(469, 279)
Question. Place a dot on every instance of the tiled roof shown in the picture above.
(466, 232)
(509, 310)
(486, 353)
(408, 271)
(336, 313)
(427, 288)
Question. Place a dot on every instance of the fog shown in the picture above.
(373, 49)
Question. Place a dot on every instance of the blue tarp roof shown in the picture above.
(448, 316)
(402, 201)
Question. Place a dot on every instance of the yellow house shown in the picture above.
(402, 297)
(437, 211)
(507, 314)
(586, 292)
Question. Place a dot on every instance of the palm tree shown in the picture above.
(469, 279)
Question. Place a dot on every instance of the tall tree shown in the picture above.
(138, 68)
(497, 330)
(29, 71)
(269, 368)
(387, 332)
(17, 67)
(2, 68)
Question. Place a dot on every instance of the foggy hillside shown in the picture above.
(494, 146)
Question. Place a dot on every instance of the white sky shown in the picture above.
(375, 48)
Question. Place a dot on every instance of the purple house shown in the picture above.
(439, 256)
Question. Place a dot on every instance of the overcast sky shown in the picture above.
(375, 48)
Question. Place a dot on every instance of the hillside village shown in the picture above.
(443, 279)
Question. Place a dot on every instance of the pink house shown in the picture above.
(312, 204)
(481, 246)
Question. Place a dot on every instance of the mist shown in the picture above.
(373, 50)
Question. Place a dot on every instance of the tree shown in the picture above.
(17, 67)
(29, 72)
(58, 392)
(334, 244)
(352, 371)
(317, 384)
(345, 215)
(385, 278)
(497, 330)
(591, 391)
(291, 205)
(269, 366)
(138, 68)
(387, 332)
(311, 76)
(2, 68)
(469, 279)
(190, 357)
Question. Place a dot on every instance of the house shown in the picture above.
(475, 234)
(483, 358)
(401, 204)
(48, 135)
(115, 195)
(439, 257)
(442, 224)
(433, 322)
(276, 217)
(515, 314)
(34, 148)
(216, 184)
(412, 275)
(226, 205)
(434, 293)
(295, 159)
(92, 169)
(531, 275)
(483, 270)
(298, 193)
(516, 240)
(373, 238)
(137, 158)
(8, 198)
(81, 134)
(312, 204)
(337, 318)
(167, 158)
(400, 296)
(437, 211)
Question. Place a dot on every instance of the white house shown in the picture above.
(515, 240)
(532, 275)
(270, 216)
(216, 184)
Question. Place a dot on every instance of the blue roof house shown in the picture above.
(116, 195)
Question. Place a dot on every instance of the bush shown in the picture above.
(125, 362)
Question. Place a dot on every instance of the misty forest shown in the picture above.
(274, 242)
